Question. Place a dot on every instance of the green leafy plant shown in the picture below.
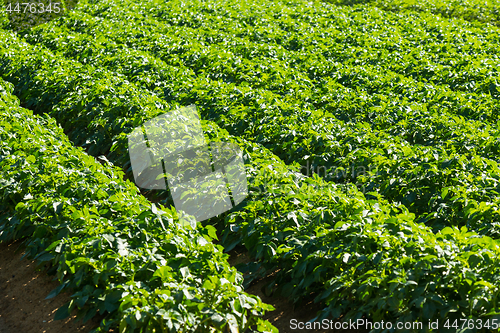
(470, 10)
(411, 99)
(133, 261)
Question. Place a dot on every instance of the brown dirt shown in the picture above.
(23, 307)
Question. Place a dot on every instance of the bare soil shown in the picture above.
(23, 307)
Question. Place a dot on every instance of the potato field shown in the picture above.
(370, 135)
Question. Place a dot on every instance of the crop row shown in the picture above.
(353, 47)
(423, 178)
(470, 10)
(265, 171)
(141, 264)
(384, 108)
(295, 222)
(410, 121)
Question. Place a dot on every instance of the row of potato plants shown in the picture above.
(414, 128)
(470, 10)
(277, 168)
(389, 116)
(144, 266)
(423, 181)
(281, 224)
(114, 32)
(353, 47)
(263, 161)
(380, 110)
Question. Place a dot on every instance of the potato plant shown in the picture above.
(394, 113)
(144, 266)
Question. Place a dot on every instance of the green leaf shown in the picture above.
(31, 159)
(163, 273)
(55, 291)
(63, 312)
